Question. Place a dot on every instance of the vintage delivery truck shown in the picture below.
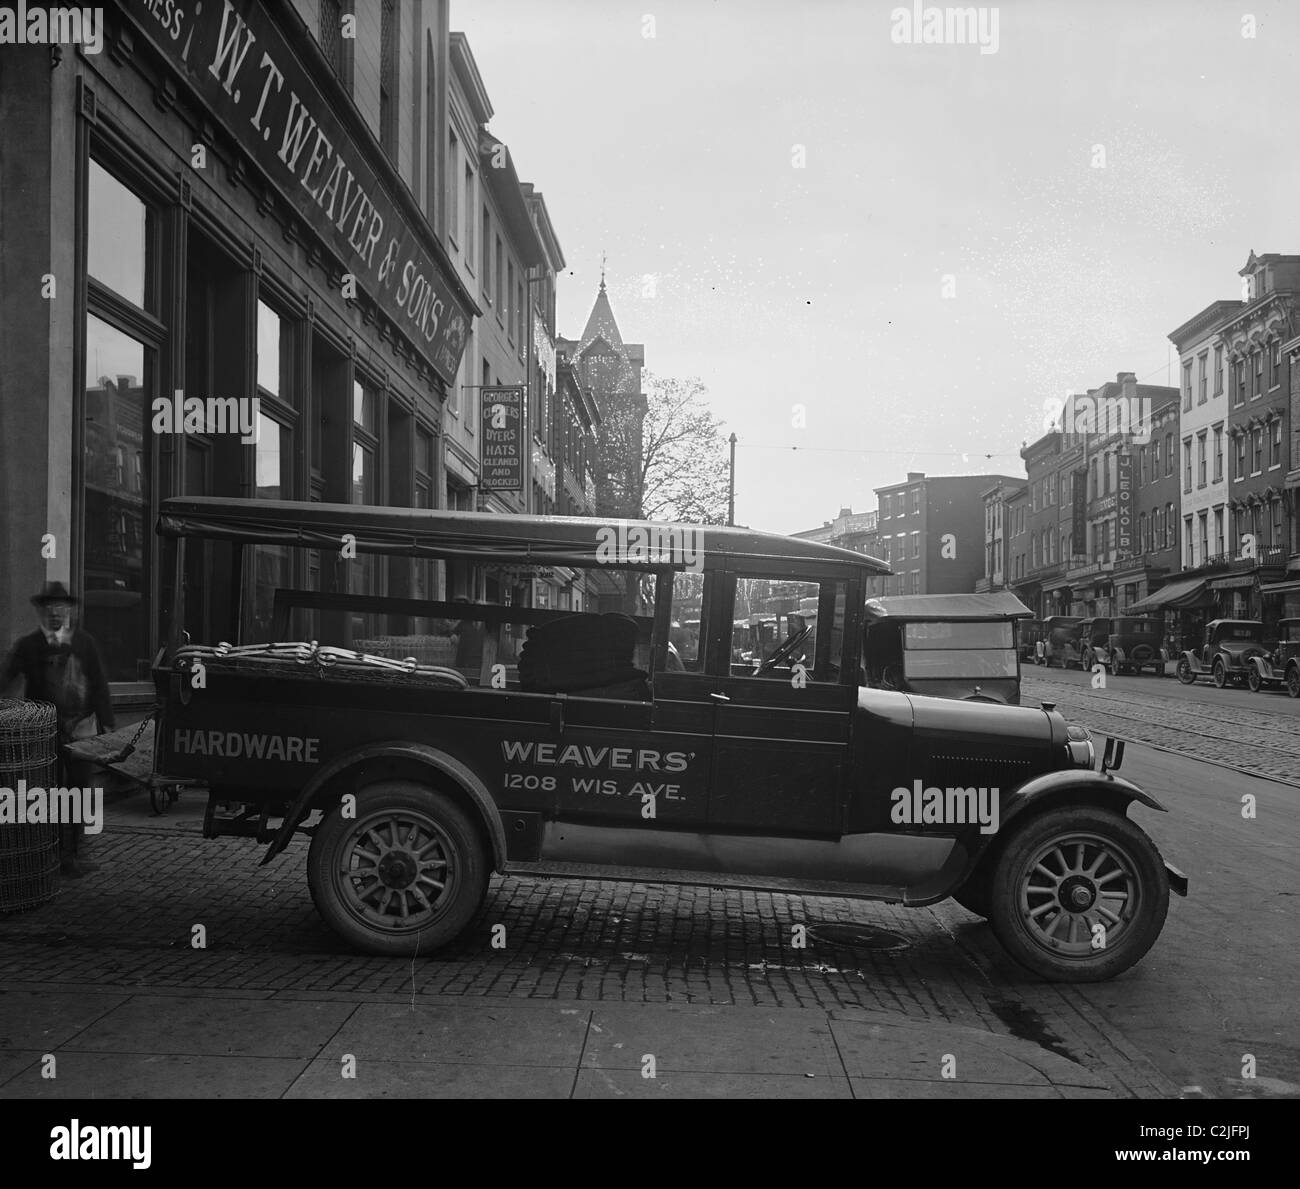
(423, 749)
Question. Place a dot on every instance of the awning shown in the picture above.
(1233, 582)
(1187, 592)
(1291, 586)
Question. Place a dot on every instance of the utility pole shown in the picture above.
(731, 485)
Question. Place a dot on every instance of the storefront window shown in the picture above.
(116, 531)
(268, 349)
(117, 236)
(271, 570)
(363, 475)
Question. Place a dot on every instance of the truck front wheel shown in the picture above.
(402, 875)
(1079, 894)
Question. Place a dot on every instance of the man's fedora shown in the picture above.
(53, 592)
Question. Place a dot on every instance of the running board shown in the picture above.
(557, 869)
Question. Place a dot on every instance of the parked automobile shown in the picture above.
(1280, 666)
(1225, 654)
(946, 646)
(1061, 639)
(1092, 633)
(415, 782)
(1131, 646)
(1029, 634)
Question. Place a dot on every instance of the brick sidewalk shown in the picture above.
(129, 925)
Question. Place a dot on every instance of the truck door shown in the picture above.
(782, 720)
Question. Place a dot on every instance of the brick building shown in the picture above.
(1086, 498)
(1259, 423)
(931, 532)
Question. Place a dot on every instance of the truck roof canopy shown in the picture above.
(544, 540)
(996, 605)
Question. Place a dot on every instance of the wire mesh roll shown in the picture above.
(29, 852)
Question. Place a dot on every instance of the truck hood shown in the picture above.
(976, 720)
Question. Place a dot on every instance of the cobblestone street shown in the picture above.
(129, 925)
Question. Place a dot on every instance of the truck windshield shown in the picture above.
(957, 635)
(959, 662)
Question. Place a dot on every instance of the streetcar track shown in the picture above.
(1248, 719)
(1285, 724)
(1146, 724)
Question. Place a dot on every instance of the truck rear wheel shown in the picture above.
(404, 875)
(1079, 894)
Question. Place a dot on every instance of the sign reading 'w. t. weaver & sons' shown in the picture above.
(239, 63)
(502, 466)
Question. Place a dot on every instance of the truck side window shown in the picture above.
(685, 650)
(778, 624)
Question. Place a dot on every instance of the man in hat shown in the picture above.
(59, 664)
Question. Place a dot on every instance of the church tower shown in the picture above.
(611, 370)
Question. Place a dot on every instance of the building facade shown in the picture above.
(610, 370)
(1087, 496)
(1153, 552)
(1259, 433)
(997, 534)
(291, 218)
(1203, 433)
(931, 532)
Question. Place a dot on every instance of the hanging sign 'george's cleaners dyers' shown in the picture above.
(239, 63)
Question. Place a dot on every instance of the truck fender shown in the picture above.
(1096, 786)
(1192, 659)
(1262, 664)
(430, 757)
(1055, 788)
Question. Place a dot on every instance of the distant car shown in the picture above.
(1029, 635)
(1225, 654)
(1282, 665)
(1132, 644)
(1061, 636)
(1094, 633)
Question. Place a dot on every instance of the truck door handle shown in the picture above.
(720, 697)
(557, 717)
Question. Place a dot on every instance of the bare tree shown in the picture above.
(666, 452)
(664, 459)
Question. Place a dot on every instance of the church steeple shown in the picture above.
(601, 324)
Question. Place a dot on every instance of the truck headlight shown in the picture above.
(1079, 747)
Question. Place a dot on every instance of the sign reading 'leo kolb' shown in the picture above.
(1124, 502)
(241, 67)
(502, 466)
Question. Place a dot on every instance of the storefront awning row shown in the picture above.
(1290, 586)
(1187, 592)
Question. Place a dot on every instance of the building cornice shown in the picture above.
(466, 71)
(1202, 324)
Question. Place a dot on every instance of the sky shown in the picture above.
(922, 245)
